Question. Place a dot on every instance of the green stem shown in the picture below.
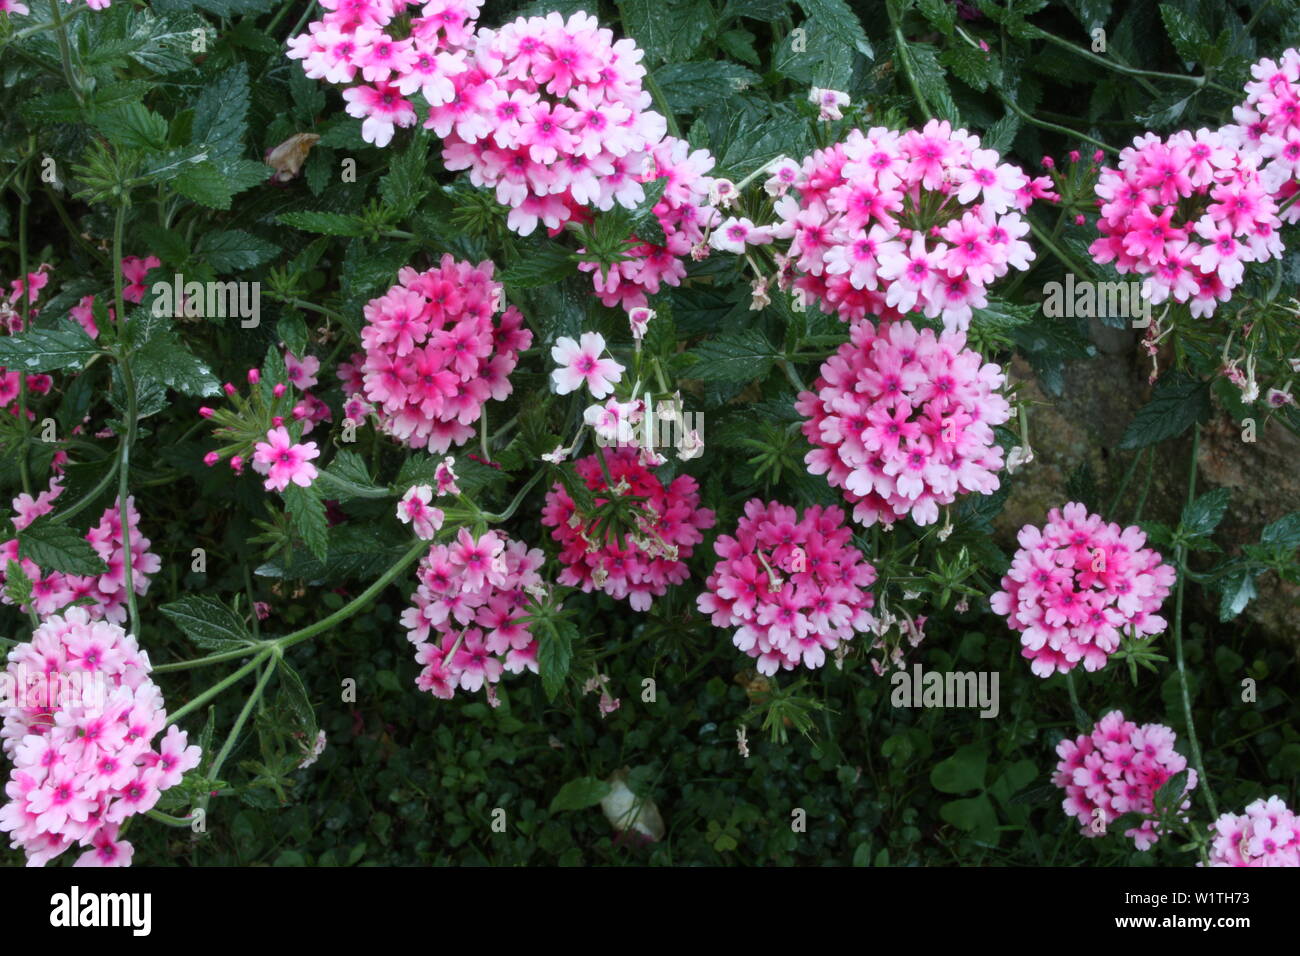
(221, 685)
(25, 304)
(65, 51)
(231, 655)
(132, 414)
(1054, 127)
(244, 713)
(903, 54)
(1180, 559)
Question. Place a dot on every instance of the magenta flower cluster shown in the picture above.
(467, 618)
(80, 731)
(902, 420)
(1115, 770)
(1267, 834)
(794, 588)
(1187, 213)
(1075, 584)
(886, 223)
(434, 354)
(56, 590)
(395, 60)
(637, 565)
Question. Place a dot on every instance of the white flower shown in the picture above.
(828, 103)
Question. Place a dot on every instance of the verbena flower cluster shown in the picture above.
(1268, 126)
(551, 115)
(1187, 213)
(1267, 834)
(84, 764)
(13, 319)
(902, 420)
(56, 590)
(639, 564)
(1075, 584)
(467, 615)
(434, 354)
(794, 588)
(684, 213)
(886, 223)
(395, 60)
(1115, 770)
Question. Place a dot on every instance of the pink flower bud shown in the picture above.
(1049, 163)
(237, 464)
(254, 376)
(277, 421)
(1079, 220)
(229, 389)
(1098, 156)
(205, 412)
(1074, 155)
(211, 458)
(279, 389)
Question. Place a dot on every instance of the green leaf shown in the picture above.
(1188, 36)
(406, 182)
(961, 772)
(162, 44)
(325, 223)
(295, 695)
(542, 265)
(688, 86)
(307, 514)
(1283, 534)
(44, 350)
(1237, 590)
(1170, 794)
(134, 126)
(18, 586)
(1203, 515)
(205, 184)
(347, 477)
(555, 654)
(208, 622)
(163, 357)
(232, 250)
(579, 794)
(668, 30)
(56, 547)
(740, 356)
(220, 113)
(1176, 404)
(842, 22)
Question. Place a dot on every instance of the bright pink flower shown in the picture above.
(1266, 834)
(283, 461)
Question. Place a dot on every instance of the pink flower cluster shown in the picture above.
(80, 729)
(12, 320)
(552, 116)
(1187, 213)
(1267, 126)
(886, 223)
(1267, 834)
(903, 421)
(793, 587)
(1117, 769)
(18, 8)
(467, 618)
(684, 212)
(641, 564)
(134, 270)
(1075, 584)
(396, 60)
(56, 590)
(433, 354)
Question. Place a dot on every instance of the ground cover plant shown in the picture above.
(650, 432)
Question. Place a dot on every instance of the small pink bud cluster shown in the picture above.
(1115, 770)
(886, 223)
(640, 564)
(903, 422)
(80, 729)
(1075, 584)
(1267, 834)
(794, 588)
(1188, 213)
(395, 59)
(56, 590)
(433, 354)
(467, 618)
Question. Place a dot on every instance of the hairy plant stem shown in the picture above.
(25, 305)
(132, 413)
(1180, 559)
(65, 51)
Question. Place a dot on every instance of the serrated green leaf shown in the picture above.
(232, 250)
(740, 356)
(307, 514)
(56, 547)
(44, 350)
(1176, 404)
(207, 622)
